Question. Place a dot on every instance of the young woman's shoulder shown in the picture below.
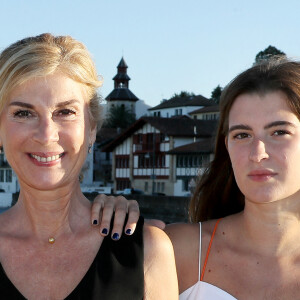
(159, 265)
(186, 240)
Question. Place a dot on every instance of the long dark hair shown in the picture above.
(217, 194)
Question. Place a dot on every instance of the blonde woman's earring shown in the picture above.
(90, 148)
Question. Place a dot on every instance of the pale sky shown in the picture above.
(169, 45)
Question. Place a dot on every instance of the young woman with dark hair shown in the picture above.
(243, 239)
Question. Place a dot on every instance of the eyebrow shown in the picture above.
(27, 105)
(268, 126)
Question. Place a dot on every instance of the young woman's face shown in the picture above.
(264, 147)
(45, 131)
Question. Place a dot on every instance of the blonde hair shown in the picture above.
(43, 55)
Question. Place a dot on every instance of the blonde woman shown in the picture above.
(49, 110)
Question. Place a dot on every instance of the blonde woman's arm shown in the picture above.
(104, 207)
(159, 266)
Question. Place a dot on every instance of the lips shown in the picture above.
(261, 175)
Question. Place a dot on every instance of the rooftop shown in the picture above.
(185, 101)
(214, 108)
(183, 127)
(122, 93)
(203, 146)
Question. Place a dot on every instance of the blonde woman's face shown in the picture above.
(264, 147)
(45, 131)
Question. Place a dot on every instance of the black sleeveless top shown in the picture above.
(116, 273)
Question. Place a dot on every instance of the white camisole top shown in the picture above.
(202, 290)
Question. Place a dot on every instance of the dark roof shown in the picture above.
(203, 146)
(121, 76)
(181, 117)
(106, 135)
(185, 101)
(184, 127)
(214, 108)
(122, 63)
(122, 94)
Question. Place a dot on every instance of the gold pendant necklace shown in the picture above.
(51, 240)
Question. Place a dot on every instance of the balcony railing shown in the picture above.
(147, 147)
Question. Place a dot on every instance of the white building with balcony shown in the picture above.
(144, 156)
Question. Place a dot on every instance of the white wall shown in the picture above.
(5, 199)
(170, 112)
(124, 148)
(87, 170)
(13, 185)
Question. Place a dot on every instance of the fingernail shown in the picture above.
(115, 236)
(104, 231)
(128, 231)
(95, 222)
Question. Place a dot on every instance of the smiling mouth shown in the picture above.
(46, 159)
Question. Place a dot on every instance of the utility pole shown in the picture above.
(153, 163)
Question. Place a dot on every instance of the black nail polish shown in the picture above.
(128, 231)
(95, 222)
(115, 236)
(104, 231)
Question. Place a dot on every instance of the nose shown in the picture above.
(258, 151)
(46, 132)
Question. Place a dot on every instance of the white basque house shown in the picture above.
(8, 179)
(180, 106)
(150, 155)
(206, 113)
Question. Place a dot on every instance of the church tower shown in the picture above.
(121, 95)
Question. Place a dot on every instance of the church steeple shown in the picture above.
(121, 94)
(122, 79)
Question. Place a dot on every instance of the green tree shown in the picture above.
(268, 53)
(119, 116)
(183, 94)
(216, 94)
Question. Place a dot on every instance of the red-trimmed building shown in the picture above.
(161, 155)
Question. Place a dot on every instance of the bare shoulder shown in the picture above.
(185, 240)
(159, 265)
(156, 245)
(182, 232)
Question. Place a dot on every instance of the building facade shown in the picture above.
(143, 158)
(175, 107)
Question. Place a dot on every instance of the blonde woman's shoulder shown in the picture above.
(159, 265)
